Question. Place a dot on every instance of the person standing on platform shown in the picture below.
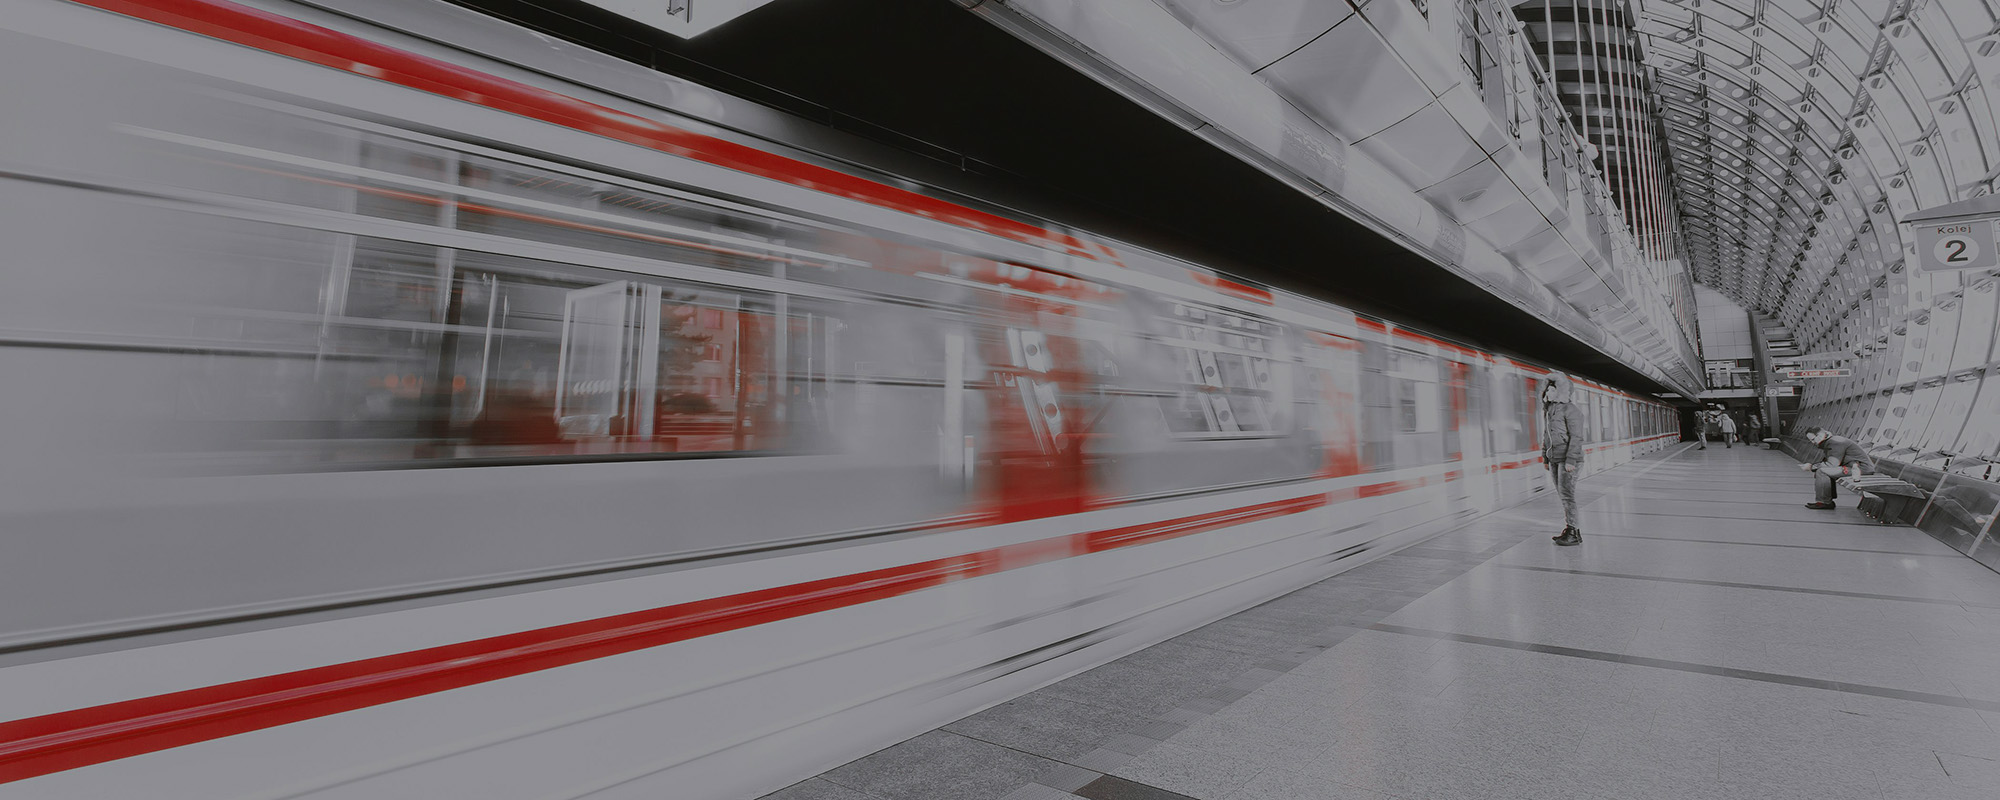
(1563, 437)
(1840, 457)
(1756, 428)
(1728, 429)
(1704, 425)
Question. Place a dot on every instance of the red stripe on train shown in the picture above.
(263, 30)
(82, 737)
(1232, 288)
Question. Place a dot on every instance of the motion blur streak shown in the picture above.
(444, 424)
(78, 738)
(250, 27)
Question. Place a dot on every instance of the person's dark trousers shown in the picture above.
(1565, 481)
(1824, 488)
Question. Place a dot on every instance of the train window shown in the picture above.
(533, 359)
(1230, 374)
(1415, 407)
(1414, 387)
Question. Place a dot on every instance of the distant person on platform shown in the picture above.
(1563, 437)
(1756, 428)
(1840, 457)
(1704, 422)
(1728, 430)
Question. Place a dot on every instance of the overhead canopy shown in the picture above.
(683, 18)
(1986, 206)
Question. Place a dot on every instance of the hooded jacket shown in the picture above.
(1563, 427)
(1843, 451)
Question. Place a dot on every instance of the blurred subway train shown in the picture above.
(401, 404)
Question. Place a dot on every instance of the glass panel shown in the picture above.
(512, 358)
(1959, 511)
(590, 383)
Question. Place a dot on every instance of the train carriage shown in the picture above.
(396, 409)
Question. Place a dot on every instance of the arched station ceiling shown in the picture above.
(1803, 131)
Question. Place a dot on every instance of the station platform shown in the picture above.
(1711, 638)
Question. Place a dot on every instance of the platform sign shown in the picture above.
(1780, 391)
(1841, 372)
(1956, 245)
(1957, 235)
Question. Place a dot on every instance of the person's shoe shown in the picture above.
(1570, 538)
(1818, 506)
(1567, 530)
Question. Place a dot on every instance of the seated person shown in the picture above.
(1839, 457)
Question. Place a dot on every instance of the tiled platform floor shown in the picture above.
(1712, 638)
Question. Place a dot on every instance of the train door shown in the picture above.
(1528, 388)
(1475, 435)
(1333, 368)
(1050, 370)
(1457, 427)
(601, 390)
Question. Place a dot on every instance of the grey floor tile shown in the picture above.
(1190, 771)
(1972, 771)
(1411, 775)
(940, 764)
(817, 789)
(1132, 690)
(1933, 790)
(1112, 787)
(1287, 784)
(1103, 759)
(1067, 777)
(1047, 726)
(1246, 637)
(1180, 655)
(1036, 791)
(1255, 742)
(1804, 769)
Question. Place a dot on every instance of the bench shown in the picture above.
(1884, 499)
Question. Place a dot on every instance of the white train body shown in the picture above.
(385, 419)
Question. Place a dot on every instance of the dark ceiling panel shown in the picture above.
(1001, 121)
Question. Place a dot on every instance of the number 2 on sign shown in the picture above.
(1956, 250)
